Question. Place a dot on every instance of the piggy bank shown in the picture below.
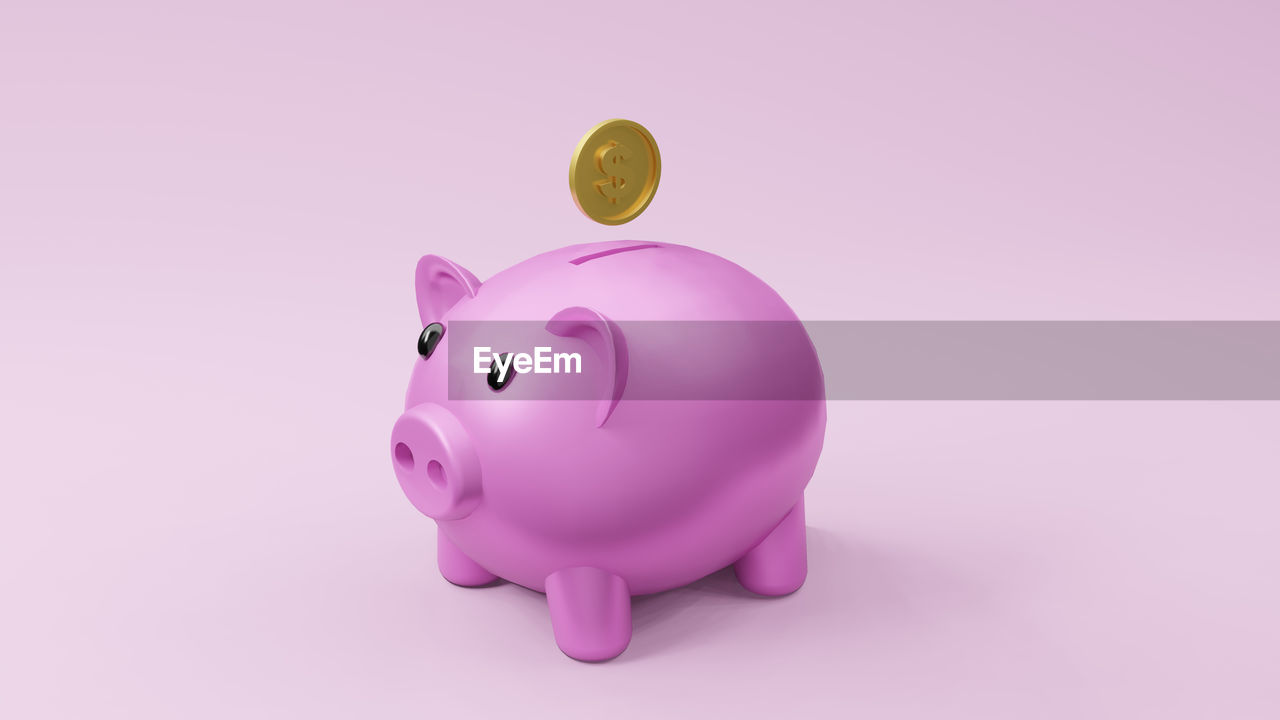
(682, 445)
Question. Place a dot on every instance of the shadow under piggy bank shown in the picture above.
(854, 592)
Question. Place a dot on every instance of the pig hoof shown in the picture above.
(777, 564)
(590, 613)
(456, 567)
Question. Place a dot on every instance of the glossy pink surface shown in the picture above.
(653, 493)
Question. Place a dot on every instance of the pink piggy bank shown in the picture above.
(680, 441)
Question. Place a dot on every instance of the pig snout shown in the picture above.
(435, 462)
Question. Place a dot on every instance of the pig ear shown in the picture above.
(604, 337)
(441, 284)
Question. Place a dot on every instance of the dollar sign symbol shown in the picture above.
(611, 161)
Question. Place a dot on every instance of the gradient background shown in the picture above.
(210, 216)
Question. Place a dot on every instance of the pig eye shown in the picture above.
(497, 381)
(429, 339)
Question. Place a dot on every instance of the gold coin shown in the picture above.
(614, 171)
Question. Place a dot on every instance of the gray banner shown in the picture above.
(894, 360)
(1077, 360)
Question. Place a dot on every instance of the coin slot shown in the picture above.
(611, 251)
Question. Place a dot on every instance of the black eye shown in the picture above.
(429, 339)
(497, 380)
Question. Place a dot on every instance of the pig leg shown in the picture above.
(456, 567)
(590, 612)
(777, 564)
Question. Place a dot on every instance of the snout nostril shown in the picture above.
(404, 457)
(435, 472)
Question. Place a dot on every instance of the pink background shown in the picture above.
(210, 216)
